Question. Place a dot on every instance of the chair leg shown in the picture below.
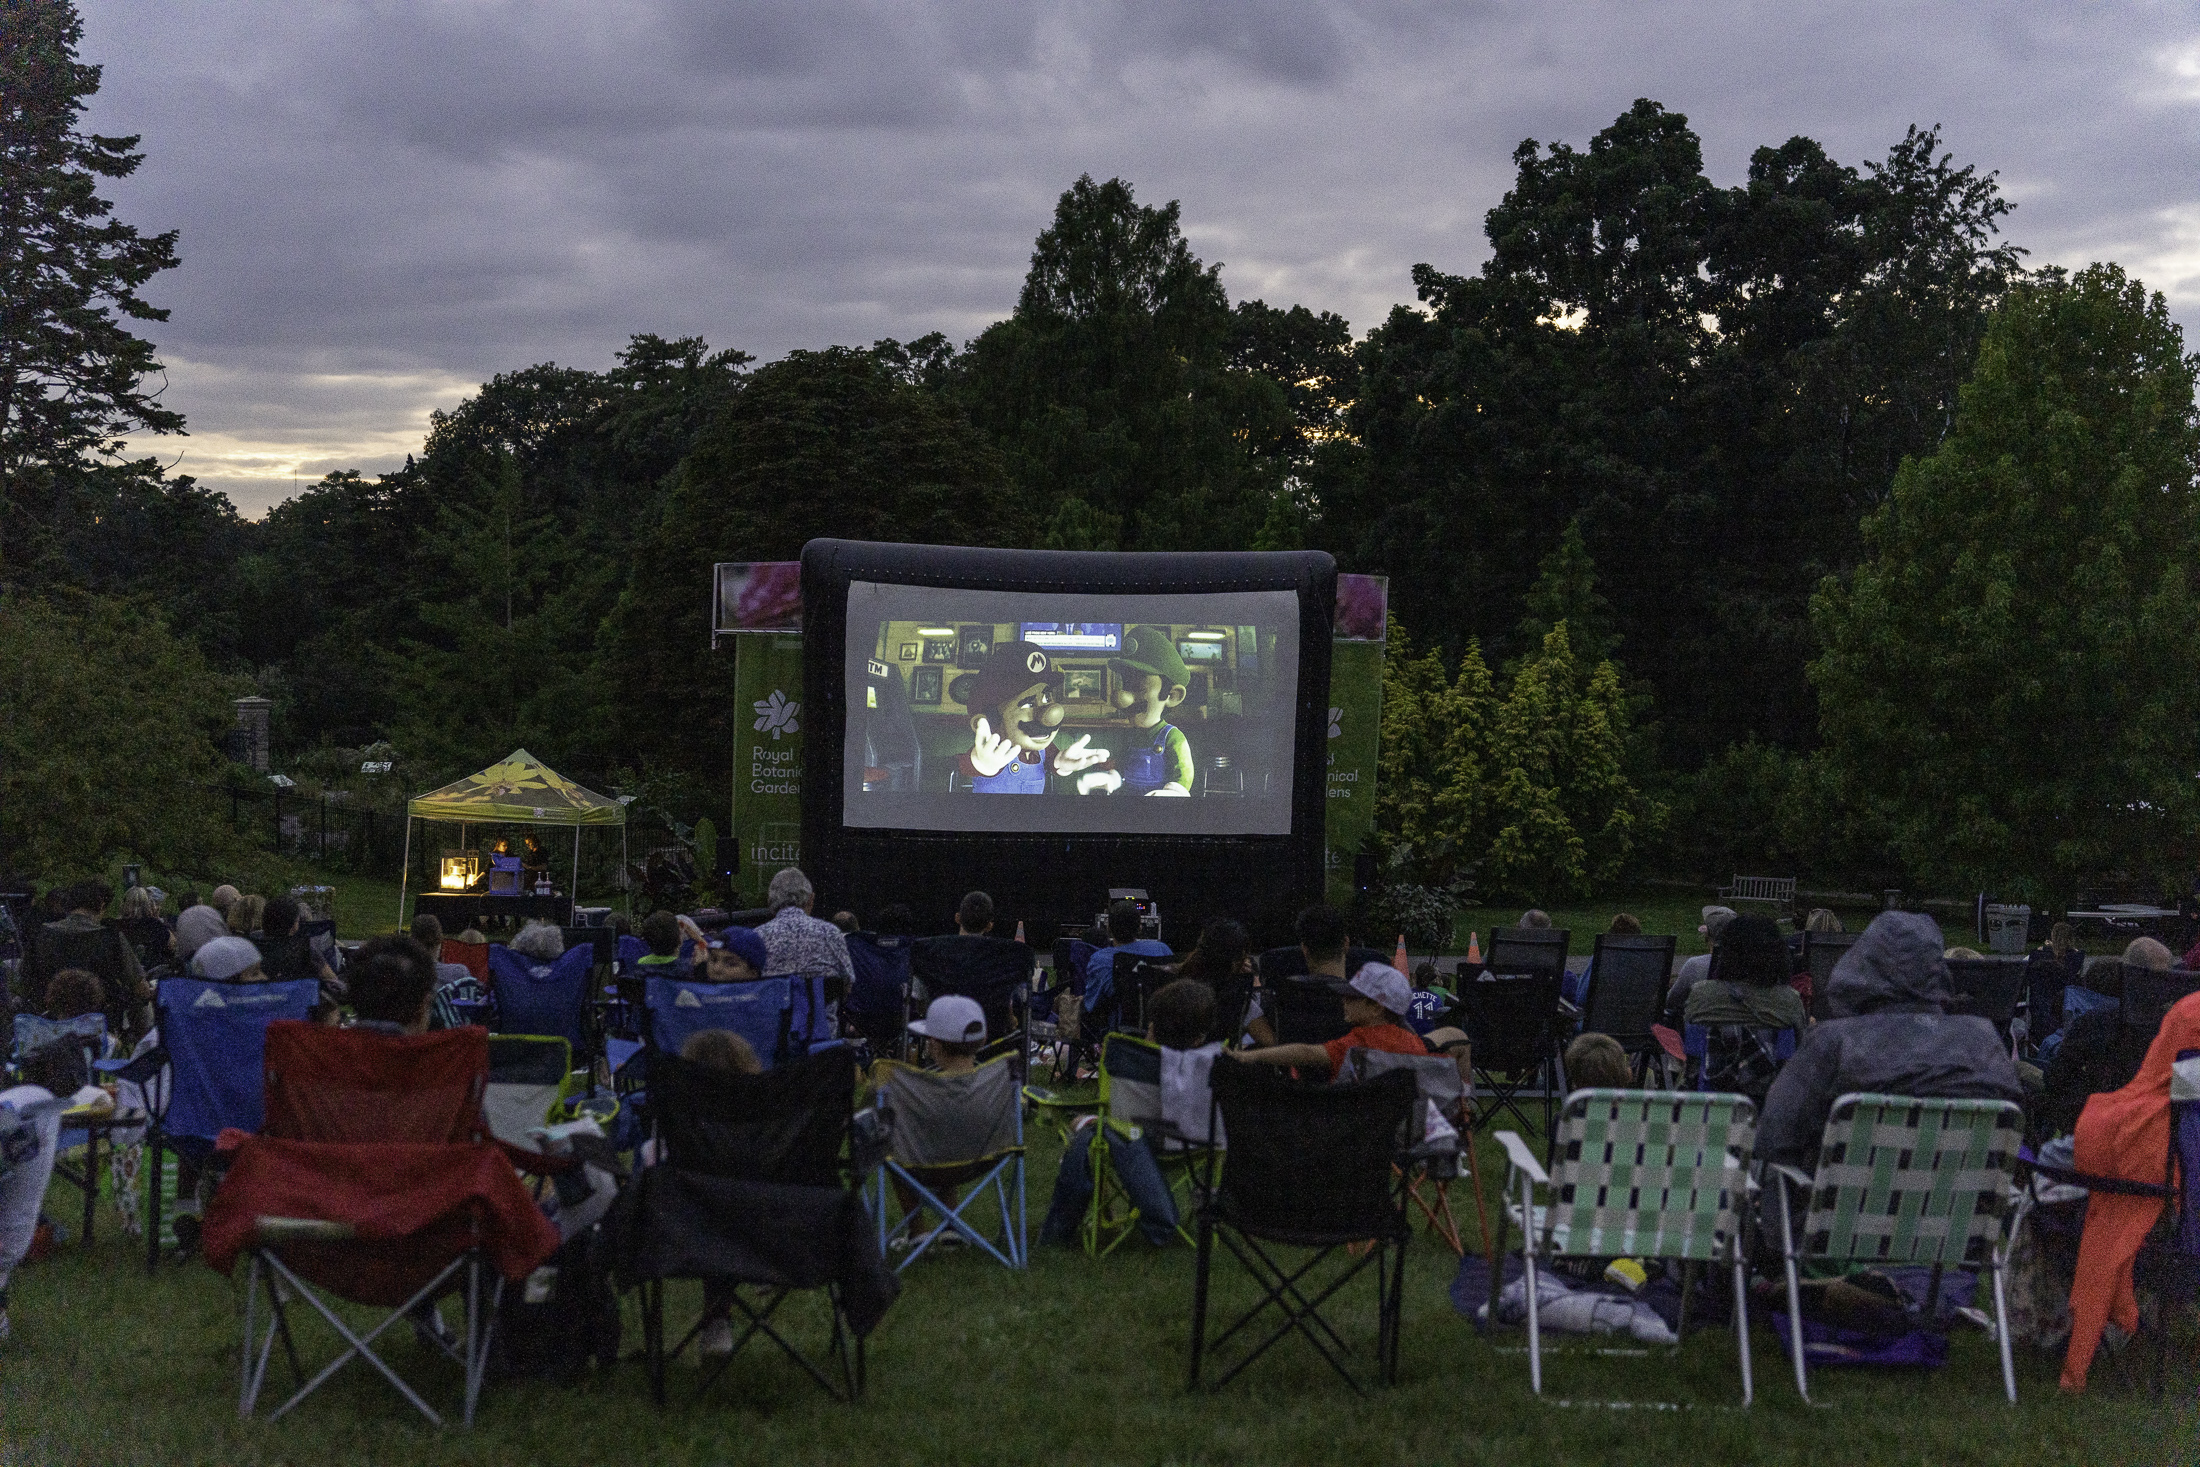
(1741, 1325)
(1535, 1337)
(1689, 1271)
(1795, 1290)
(2001, 1337)
(154, 1152)
(1496, 1257)
(1201, 1274)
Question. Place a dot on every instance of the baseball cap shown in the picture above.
(1152, 649)
(743, 942)
(1010, 667)
(1715, 920)
(952, 1019)
(225, 957)
(1385, 985)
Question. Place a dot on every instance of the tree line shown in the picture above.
(1857, 537)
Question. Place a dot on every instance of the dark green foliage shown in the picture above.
(2010, 679)
(72, 377)
(821, 443)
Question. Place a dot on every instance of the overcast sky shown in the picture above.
(383, 204)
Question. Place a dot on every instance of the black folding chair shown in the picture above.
(1990, 988)
(1135, 983)
(1821, 950)
(1528, 950)
(1310, 1169)
(1512, 1020)
(995, 971)
(1306, 1010)
(1627, 982)
(2148, 996)
(752, 1189)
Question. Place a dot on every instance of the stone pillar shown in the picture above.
(251, 735)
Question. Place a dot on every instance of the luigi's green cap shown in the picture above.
(1152, 649)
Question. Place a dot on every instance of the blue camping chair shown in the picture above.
(543, 998)
(878, 999)
(214, 1036)
(1735, 1057)
(760, 1011)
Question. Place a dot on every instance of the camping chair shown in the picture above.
(472, 956)
(373, 1183)
(1136, 982)
(1306, 1010)
(878, 1000)
(1127, 1106)
(761, 1011)
(751, 1190)
(1737, 1058)
(1627, 982)
(86, 1034)
(948, 1131)
(1057, 1011)
(996, 971)
(1512, 1019)
(543, 998)
(1528, 950)
(1821, 950)
(2169, 1259)
(1906, 1181)
(1991, 988)
(214, 1038)
(1428, 1160)
(1310, 1168)
(530, 1076)
(101, 951)
(1641, 1174)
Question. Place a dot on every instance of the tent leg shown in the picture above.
(404, 873)
(574, 895)
(626, 888)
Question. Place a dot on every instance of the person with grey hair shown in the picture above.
(541, 942)
(797, 944)
(1535, 919)
(1693, 971)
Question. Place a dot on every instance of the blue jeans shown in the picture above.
(1140, 1175)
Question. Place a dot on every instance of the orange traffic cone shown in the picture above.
(1399, 961)
(1474, 949)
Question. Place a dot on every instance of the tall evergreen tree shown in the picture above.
(72, 376)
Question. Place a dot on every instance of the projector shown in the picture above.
(1149, 912)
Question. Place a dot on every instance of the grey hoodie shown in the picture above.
(1889, 1035)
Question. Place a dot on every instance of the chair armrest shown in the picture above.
(1800, 1179)
(1033, 1095)
(1518, 1153)
(276, 1230)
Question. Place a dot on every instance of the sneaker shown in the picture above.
(717, 1338)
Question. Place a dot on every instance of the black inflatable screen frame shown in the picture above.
(1049, 879)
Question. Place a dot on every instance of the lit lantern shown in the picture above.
(460, 870)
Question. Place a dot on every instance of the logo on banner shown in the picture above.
(687, 1000)
(775, 715)
(209, 1000)
(1336, 723)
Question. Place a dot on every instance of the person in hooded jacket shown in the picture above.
(1890, 1033)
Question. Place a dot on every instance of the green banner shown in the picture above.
(767, 759)
(1355, 726)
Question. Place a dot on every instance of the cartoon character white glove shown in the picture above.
(1173, 790)
(1077, 756)
(1107, 781)
(991, 753)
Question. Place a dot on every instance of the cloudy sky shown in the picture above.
(382, 204)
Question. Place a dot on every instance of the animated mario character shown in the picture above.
(1151, 679)
(1019, 690)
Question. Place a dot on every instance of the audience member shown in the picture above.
(735, 955)
(846, 922)
(1224, 951)
(1535, 919)
(247, 916)
(2094, 1053)
(83, 906)
(140, 902)
(1692, 970)
(1596, 1062)
(1890, 1034)
(2123, 1134)
(2057, 964)
(197, 927)
(286, 953)
(661, 930)
(1574, 987)
(796, 943)
(31, 1123)
(390, 991)
(73, 993)
(895, 919)
(953, 1031)
(721, 1049)
(539, 942)
(149, 937)
(974, 915)
(1747, 982)
(224, 897)
(1180, 1018)
(229, 960)
(1376, 1001)
(1123, 923)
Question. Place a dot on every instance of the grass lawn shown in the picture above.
(1074, 1361)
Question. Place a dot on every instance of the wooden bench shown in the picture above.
(1775, 891)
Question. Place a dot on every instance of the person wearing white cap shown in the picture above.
(228, 960)
(953, 1031)
(1376, 1001)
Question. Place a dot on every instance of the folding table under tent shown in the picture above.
(518, 789)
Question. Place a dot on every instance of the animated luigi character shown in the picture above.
(1018, 692)
(1150, 680)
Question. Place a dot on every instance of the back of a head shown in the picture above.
(1897, 962)
(1223, 945)
(1626, 924)
(721, 1049)
(1124, 920)
(2062, 937)
(389, 987)
(1182, 1014)
(427, 930)
(896, 920)
(974, 913)
(74, 991)
(246, 914)
(846, 922)
(661, 930)
(541, 941)
(2147, 952)
(197, 927)
(1596, 1062)
(1822, 920)
(224, 897)
(1321, 931)
(280, 918)
(789, 888)
(1751, 951)
(139, 903)
(1535, 919)
(93, 897)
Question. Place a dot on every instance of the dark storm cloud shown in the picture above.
(382, 204)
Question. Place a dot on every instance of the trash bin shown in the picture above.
(2008, 929)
